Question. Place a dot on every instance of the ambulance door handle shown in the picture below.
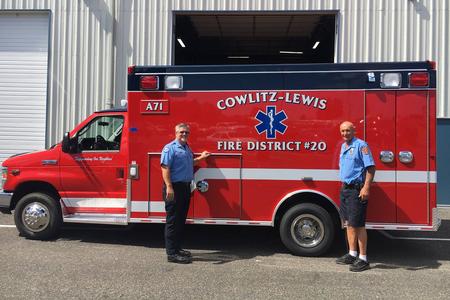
(202, 186)
(405, 157)
(120, 173)
(387, 156)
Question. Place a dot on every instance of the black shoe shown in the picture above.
(184, 253)
(178, 259)
(359, 265)
(346, 259)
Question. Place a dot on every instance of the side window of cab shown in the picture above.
(101, 134)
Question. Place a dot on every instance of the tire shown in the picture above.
(307, 230)
(38, 216)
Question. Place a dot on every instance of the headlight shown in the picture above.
(4, 175)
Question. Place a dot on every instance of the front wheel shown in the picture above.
(307, 229)
(38, 216)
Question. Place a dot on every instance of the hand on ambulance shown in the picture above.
(202, 156)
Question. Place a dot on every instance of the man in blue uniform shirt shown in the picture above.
(177, 166)
(356, 171)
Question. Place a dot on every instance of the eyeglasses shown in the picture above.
(183, 132)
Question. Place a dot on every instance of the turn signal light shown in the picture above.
(419, 79)
(4, 176)
(149, 83)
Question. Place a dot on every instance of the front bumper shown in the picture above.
(5, 201)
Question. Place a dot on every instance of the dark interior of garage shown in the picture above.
(201, 39)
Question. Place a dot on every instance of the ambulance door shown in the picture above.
(396, 130)
(97, 170)
(218, 187)
(411, 155)
(380, 135)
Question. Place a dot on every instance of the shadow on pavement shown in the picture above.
(212, 243)
(222, 244)
(412, 255)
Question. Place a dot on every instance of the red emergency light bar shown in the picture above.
(419, 79)
(149, 82)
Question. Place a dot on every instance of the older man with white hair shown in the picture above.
(356, 171)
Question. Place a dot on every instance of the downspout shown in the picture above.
(110, 102)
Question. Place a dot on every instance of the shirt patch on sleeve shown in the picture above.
(365, 150)
(166, 149)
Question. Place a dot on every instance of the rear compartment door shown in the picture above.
(218, 193)
(411, 137)
(396, 123)
(380, 135)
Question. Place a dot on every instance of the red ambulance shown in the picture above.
(273, 131)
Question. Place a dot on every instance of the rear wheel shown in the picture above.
(307, 229)
(38, 216)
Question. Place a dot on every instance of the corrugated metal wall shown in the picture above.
(93, 42)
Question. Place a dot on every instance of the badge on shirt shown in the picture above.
(365, 150)
(350, 151)
(166, 149)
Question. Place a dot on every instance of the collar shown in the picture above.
(351, 145)
(179, 145)
(352, 141)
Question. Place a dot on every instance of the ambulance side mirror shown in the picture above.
(65, 145)
(68, 145)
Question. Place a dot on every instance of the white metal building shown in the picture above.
(60, 60)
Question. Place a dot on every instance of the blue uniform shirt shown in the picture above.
(354, 160)
(180, 161)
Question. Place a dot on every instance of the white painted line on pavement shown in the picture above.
(7, 226)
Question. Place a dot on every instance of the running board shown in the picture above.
(436, 223)
(107, 219)
(392, 237)
(205, 221)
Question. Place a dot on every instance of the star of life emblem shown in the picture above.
(271, 122)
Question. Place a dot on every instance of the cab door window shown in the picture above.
(101, 134)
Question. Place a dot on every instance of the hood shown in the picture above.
(30, 159)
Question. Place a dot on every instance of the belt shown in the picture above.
(181, 183)
(352, 186)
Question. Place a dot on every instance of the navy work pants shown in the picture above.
(176, 213)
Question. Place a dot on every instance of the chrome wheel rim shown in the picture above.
(35, 217)
(307, 230)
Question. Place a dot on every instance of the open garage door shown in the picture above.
(254, 38)
(23, 81)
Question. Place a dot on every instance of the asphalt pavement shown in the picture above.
(112, 262)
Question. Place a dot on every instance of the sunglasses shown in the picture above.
(183, 132)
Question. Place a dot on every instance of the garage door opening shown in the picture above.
(201, 39)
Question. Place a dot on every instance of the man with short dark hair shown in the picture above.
(177, 166)
(356, 171)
